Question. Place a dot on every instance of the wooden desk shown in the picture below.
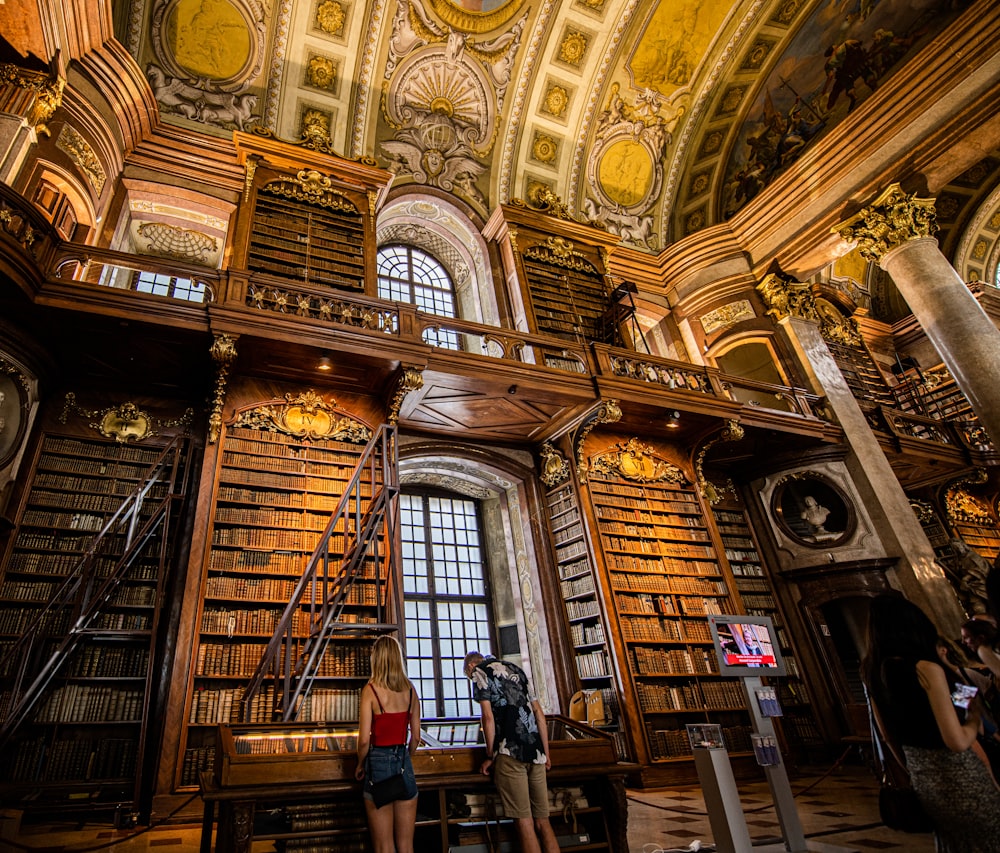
(245, 791)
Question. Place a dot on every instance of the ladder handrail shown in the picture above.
(84, 608)
(362, 518)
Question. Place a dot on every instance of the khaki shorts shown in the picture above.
(522, 788)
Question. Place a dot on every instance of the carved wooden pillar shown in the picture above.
(895, 231)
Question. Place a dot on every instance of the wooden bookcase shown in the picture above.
(568, 296)
(321, 242)
(584, 614)
(753, 582)
(664, 577)
(307, 217)
(84, 743)
(557, 271)
(274, 496)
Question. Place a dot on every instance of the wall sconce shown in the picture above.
(673, 420)
(325, 363)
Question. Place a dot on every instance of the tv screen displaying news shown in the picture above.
(746, 645)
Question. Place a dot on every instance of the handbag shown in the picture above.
(389, 790)
(898, 804)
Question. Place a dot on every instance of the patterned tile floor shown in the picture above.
(838, 814)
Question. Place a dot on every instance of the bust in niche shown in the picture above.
(815, 515)
(812, 511)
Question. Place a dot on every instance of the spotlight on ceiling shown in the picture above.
(673, 420)
(325, 363)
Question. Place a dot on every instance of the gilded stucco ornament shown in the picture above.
(555, 467)
(208, 58)
(608, 412)
(83, 156)
(181, 244)
(633, 460)
(223, 352)
(922, 510)
(125, 422)
(306, 416)
(891, 220)
(47, 88)
(625, 167)
(709, 491)
(412, 379)
(960, 505)
(313, 187)
(786, 297)
(443, 93)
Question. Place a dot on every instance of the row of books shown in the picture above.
(668, 584)
(656, 546)
(210, 707)
(592, 664)
(586, 634)
(582, 609)
(289, 464)
(660, 565)
(713, 696)
(274, 562)
(646, 661)
(85, 448)
(579, 586)
(269, 539)
(680, 533)
(269, 517)
(574, 568)
(94, 485)
(345, 660)
(268, 447)
(90, 465)
(78, 501)
(99, 661)
(92, 759)
(84, 703)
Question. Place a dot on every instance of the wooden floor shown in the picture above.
(838, 813)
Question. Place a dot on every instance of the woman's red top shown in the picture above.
(390, 729)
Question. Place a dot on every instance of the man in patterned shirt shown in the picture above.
(517, 747)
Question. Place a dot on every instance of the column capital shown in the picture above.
(892, 219)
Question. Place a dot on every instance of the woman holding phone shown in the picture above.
(912, 694)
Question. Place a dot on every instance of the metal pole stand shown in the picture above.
(777, 780)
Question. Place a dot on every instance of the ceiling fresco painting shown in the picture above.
(836, 59)
(673, 44)
(653, 119)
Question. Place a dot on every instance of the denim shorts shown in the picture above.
(385, 761)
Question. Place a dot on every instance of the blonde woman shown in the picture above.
(388, 736)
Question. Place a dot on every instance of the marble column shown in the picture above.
(895, 232)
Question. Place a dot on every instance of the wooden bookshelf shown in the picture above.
(275, 495)
(85, 739)
(307, 242)
(584, 615)
(567, 301)
(753, 582)
(665, 578)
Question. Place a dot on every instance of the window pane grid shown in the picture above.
(406, 274)
(445, 603)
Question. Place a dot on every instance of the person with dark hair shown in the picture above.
(912, 694)
(517, 747)
(980, 636)
(389, 716)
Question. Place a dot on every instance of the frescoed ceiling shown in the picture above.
(654, 118)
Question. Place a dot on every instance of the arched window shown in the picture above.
(445, 598)
(407, 274)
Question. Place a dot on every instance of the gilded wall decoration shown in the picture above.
(305, 416)
(556, 101)
(182, 244)
(47, 89)
(443, 93)
(727, 315)
(634, 460)
(555, 467)
(208, 56)
(330, 17)
(625, 170)
(83, 156)
(125, 422)
(894, 218)
(544, 149)
(321, 73)
(573, 47)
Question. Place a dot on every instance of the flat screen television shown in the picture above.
(746, 645)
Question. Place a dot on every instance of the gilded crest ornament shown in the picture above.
(305, 416)
(633, 460)
(709, 491)
(125, 422)
(555, 467)
(894, 218)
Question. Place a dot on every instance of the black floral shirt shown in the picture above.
(505, 687)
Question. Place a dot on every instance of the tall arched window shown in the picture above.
(407, 274)
(445, 598)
